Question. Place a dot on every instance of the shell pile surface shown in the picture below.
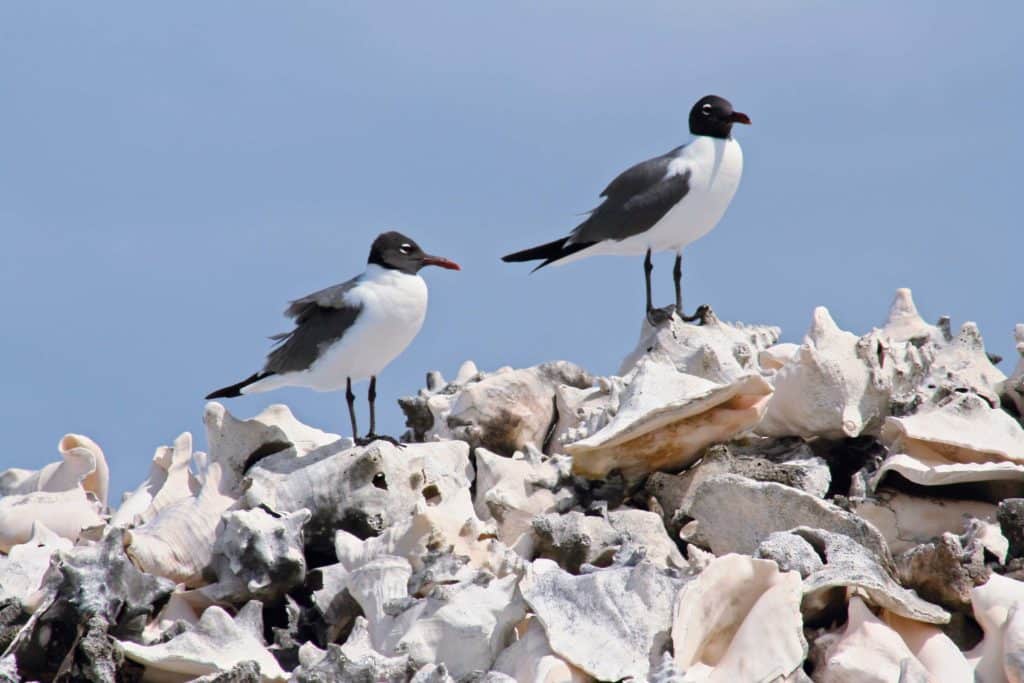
(726, 508)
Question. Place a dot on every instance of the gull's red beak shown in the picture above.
(739, 117)
(440, 262)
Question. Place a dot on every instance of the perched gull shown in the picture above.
(350, 331)
(661, 204)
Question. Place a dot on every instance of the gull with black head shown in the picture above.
(352, 331)
(662, 204)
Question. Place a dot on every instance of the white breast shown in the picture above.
(394, 305)
(715, 167)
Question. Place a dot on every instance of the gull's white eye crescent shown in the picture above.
(405, 248)
(706, 108)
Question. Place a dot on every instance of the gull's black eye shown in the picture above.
(706, 109)
(405, 249)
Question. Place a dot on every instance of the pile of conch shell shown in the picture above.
(728, 507)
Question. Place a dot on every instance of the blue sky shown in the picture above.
(170, 175)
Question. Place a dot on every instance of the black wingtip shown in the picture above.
(236, 389)
(549, 253)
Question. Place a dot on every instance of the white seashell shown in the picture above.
(531, 660)
(964, 429)
(665, 419)
(868, 651)
(238, 444)
(1013, 386)
(717, 351)
(774, 357)
(611, 624)
(905, 324)
(217, 643)
(22, 569)
(65, 513)
(503, 411)
(181, 606)
(832, 387)
(739, 619)
(993, 604)
(82, 465)
(963, 366)
(375, 584)
(177, 543)
(169, 481)
(512, 491)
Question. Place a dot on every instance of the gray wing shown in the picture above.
(637, 199)
(321, 318)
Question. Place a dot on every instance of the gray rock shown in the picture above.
(790, 552)
(945, 570)
(1011, 521)
(574, 539)
(850, 565)
(735, 514)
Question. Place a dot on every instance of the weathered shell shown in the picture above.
(361, 490)
(962, 366)
(611, 624)
(833, 386)
(22, 569)
(755, 634)
(217, 643)
(512, 491)
(503, 411)
(64, 512)
(716, 351)
(665, 418)
(905, 521)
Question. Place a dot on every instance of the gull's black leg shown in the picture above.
(351, 399)
(648, 268)
(371, 436)
(677, 278)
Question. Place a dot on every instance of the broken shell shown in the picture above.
(23, 568)
(906, 521)
(754, 635)
(962, 366)
(665, 419)
(905, 324)
(992, 604)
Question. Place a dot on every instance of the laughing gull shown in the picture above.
(661, 204)
(350, 331)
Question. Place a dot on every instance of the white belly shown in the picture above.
(715, 167)
(715, 171)
(394, 305)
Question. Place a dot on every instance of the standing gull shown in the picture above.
(350, 331)
(661, 204)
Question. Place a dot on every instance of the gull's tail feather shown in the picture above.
(236, 389)
(550, 252)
